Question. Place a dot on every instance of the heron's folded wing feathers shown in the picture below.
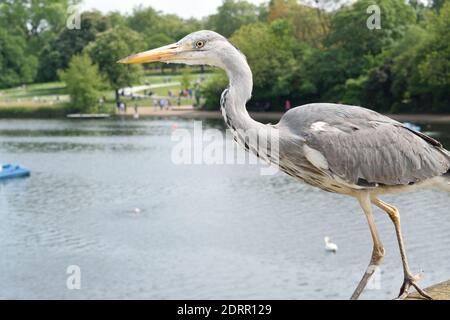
(383, 153)
(361, 145)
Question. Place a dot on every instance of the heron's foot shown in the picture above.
(411, 281)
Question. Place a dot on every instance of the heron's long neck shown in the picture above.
(238, 93)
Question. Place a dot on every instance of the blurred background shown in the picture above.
(104, 194)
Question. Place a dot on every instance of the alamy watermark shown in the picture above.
(73, 21)
(374, 20)
(374, 282)
(213, 147)
(73, 281)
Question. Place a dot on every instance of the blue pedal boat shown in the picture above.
(8, 171)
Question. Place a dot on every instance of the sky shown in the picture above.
(183, 8)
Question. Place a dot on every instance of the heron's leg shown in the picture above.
(378, 250)
(410, 280)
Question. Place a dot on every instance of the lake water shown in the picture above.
(203, 231)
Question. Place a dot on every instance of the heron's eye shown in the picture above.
(200, 44)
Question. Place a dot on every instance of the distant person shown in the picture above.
(161, 104)
(287, 105)
(190, 93)
(136, 110)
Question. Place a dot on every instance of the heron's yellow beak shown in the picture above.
(160, 54)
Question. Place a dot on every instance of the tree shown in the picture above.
(311, 24)
(438, 4)
(212, 89)
(57, 54)
(350, 32)
(429, 83)
(339, 71)
(111, 46)
(273, 55)
(186, 78)
(144, 20)
(435, 67)
(389, 83)
(83, 83)
(414, 74)
(31, 24)
(232, 15)
(158, 29)
(16, 66)
(38, 20)
(116, 19)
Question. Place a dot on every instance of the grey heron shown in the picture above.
(342, 149)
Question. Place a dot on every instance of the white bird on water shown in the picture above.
(338, 148)
(330, 246)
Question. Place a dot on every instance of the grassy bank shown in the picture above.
(50, 100)
(33, 112)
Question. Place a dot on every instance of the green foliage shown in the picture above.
(308, 51)
(232, 15)
(273, 56)
(344, 70)
(435, 68)
(438, 4)
(57, 54)
(111, 46)
(185, 78)
(402, 67)
(416, 69)
(16, 66)
(212, 89)
(36, 20)
(310, 25)
(158, 29)
(83, 83)
(349, 30)
(26, 112)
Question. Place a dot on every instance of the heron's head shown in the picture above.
(198, 48)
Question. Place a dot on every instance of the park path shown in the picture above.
(128, 91)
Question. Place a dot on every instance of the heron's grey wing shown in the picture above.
(366, 148)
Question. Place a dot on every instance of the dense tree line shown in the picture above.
(309, 54)
(304, 51)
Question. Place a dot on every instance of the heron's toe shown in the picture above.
(411, 281)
